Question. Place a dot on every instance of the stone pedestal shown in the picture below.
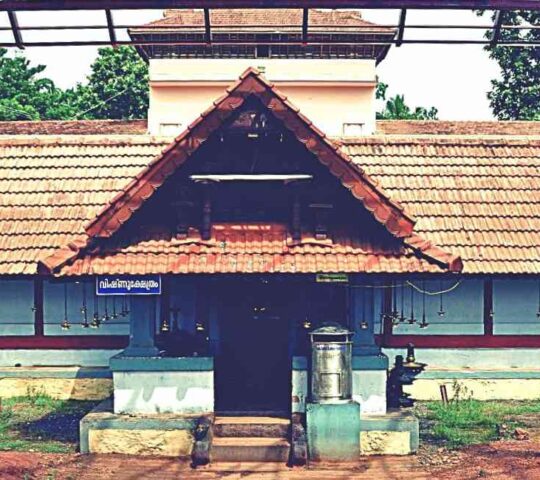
(333, 431)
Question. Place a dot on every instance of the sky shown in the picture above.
(453, 78)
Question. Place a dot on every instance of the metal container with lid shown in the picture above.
(331, 364)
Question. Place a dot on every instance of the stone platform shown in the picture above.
(165, 434)
(171, 435)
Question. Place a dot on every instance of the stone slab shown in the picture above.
(59, 388)
(393, 421)
(101, 424)
(169, 443)
(381, 442)
(124, 363)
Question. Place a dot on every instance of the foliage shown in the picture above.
(516, 95)
(396, 108)
(466, 421)
(117, 88)
(40, 423)
(26, 95)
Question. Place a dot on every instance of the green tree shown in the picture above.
(396, 109)
(516, 94)
(27, 95)
(117, 87)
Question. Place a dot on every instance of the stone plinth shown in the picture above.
(163, 384)
(333, 431)
(102, 431)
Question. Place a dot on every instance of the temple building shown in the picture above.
(179, 265)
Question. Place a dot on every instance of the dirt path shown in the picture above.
(498, 460)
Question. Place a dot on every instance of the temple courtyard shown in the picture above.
(465, 439)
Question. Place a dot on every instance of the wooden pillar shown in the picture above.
(39, 329)
(488, 307)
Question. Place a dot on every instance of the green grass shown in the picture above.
(40, 423)
(468, 421)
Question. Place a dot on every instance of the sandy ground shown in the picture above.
(506, 460)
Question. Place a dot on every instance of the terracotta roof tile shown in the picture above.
(482, 203)
(492, 235)
(260, 19)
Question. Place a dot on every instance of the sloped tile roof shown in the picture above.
(256, 19)
(255, 248)
(477, 197)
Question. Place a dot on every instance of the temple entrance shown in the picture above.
(253, 367)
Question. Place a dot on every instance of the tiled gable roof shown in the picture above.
(478, 197)
(130, 199)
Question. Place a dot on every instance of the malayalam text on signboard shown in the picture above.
(128, 285)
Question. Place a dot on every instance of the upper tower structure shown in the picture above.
(324, 60)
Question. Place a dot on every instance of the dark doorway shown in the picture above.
(253, 367)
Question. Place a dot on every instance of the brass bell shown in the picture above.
(95, 321)
(306, 324)
(199, 327)
(165, 326)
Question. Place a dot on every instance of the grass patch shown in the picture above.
(466, 421)
(40, 423)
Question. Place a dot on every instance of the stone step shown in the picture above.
(262, 427)
(249, 449)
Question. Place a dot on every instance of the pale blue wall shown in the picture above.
(53, 310)
(16, 302)
(515, 305)
(463, 306)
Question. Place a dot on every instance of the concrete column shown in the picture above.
(142, 328)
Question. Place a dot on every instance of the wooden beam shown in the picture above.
(48, 5)
(110, 27)
(461, 341)
(249, 178)
(207, 26)
(14, 22)
(401, 27)
(305, 25)
(58, 342)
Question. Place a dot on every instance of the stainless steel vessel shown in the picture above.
(331, 364)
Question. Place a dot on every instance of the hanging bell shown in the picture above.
(199, 327)
(65, 324)
(423, 323)
(306, 324)
(364, 325)
(95, 321)
(84, 312)
(165, 326)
